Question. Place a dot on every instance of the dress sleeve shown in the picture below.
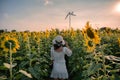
(68, 52)
(51, 53)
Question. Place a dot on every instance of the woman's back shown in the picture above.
(60, 56)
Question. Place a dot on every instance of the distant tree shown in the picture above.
(13, 31)
(27, 31)
(1, 31)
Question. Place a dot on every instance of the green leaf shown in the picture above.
(89, 71)
(117, 65)
(105, 78)
(19, 58)
(34, 73)
(108, 67)
(8, 65)
(3, 68)
(3, 77)
(93, 68)
(18, 77)
(26, 73)
(23, 63)
(114, 71)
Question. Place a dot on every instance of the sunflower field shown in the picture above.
(26, 55)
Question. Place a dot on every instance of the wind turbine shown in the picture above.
(69, 15)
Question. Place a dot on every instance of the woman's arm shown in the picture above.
(68, 52)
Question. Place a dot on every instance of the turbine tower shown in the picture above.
(69, 15)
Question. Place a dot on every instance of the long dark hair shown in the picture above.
(57, 45)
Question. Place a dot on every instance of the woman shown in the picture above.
(58, 52)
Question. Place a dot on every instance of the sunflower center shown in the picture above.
(7, 44)
(90, 33)
(90, 43)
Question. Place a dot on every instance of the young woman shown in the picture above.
(58, 52)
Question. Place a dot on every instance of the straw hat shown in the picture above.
(58, 39)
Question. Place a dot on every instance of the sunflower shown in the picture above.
(5, 44)
(91, 33)
(108, 30)
(25, 36)
(91, 37)
(47, 33)
(85, 36)
(97, 39)
(53, 32)
(89, 44)
(87, 25)
(72, 32)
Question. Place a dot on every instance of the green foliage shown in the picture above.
(34, 56)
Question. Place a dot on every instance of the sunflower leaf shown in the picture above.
(7, 65)
(26, 73)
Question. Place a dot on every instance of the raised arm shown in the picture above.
(68, 52)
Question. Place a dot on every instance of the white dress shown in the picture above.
(59, 67)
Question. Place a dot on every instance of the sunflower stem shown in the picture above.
(29, 51)
(104, 68)
(103, 59)
(6, 56)
(10, 62)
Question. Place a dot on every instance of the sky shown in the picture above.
(36, 15)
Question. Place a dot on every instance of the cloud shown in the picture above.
(48, 2)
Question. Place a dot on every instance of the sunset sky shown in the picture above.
(36, 15)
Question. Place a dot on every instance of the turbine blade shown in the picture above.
(73, 14)
(67, 15)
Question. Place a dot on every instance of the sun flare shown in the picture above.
(117, 8)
